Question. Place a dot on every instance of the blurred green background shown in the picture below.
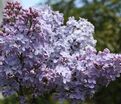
(106, 17)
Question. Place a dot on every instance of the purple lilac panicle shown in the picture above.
(39, 55)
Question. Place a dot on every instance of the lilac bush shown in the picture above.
(40, 56)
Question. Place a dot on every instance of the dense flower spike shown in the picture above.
(92, 71)
(40, 55)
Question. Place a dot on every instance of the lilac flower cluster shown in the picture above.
(40, 55)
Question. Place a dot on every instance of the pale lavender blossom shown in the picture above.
(40, 55)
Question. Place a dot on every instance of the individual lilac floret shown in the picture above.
(40, 56)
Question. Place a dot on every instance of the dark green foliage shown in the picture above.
(9, 100)
(109, 95)
(42, 100)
